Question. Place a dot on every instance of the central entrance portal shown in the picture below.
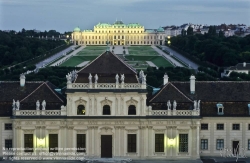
(106, 146)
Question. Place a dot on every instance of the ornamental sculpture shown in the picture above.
(198, 105)
(73, 75)
(122, 78)
(174, 105)
(195, 104)
(69, 78)
(14, 105)
(96, 78)
(37, 105)
(169, 105)
(90, 78)
(117, 78)
(144, 79)
(43, 105)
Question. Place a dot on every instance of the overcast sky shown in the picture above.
(65, 15)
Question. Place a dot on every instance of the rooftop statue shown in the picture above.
(174, 105)
(14, 105)
(37, 105)
(17, 105)
(198, 105)
(69, 78)
(144, 79)
(169, 105)
(195, 104)
(96, 78)
(43, 105)
(117, 78)
(122, 78)
(90, 78)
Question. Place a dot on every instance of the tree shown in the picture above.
(190, 31)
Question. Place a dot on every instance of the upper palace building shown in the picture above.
(118, 34)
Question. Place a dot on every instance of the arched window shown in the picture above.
(81, 110)
(131, 110)
(106, 110)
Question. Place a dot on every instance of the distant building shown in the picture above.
(119, 34)
(239, 68)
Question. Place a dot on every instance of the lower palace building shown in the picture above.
(119, 34)
(106, 111)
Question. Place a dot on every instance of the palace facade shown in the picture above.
(119, 34)
(107, 112)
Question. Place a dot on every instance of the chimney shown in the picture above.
(165, 79)
(22, 80)
(244, 64)
(192, 84)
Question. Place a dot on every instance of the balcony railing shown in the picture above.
(39, 112)
(175, 112)
(106, 86)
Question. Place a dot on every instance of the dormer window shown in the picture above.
(220, 109)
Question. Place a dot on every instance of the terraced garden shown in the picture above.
(89, 53)
(142, 50)
(138, 55)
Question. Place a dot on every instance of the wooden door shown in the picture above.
(106, 146)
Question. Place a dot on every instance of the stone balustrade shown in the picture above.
(106, 86)
(39, 112)
(175, 112)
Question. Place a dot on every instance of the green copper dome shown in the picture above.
(77, 29)
(118, 22)
(160, 29)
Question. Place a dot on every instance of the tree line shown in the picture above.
(214, 47)
(17, 47)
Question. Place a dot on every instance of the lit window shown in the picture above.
(81, 110)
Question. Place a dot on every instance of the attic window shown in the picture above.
(220, 109)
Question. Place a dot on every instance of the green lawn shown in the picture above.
(157, 60)
(142, 50)
(92, 50)
(76, 60)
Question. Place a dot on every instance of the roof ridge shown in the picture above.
(91, 62)
(40, 87)
(169, 83)
(32, 92)
(53, 92)
(159, 92)
(181, 92)
(124, 63)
